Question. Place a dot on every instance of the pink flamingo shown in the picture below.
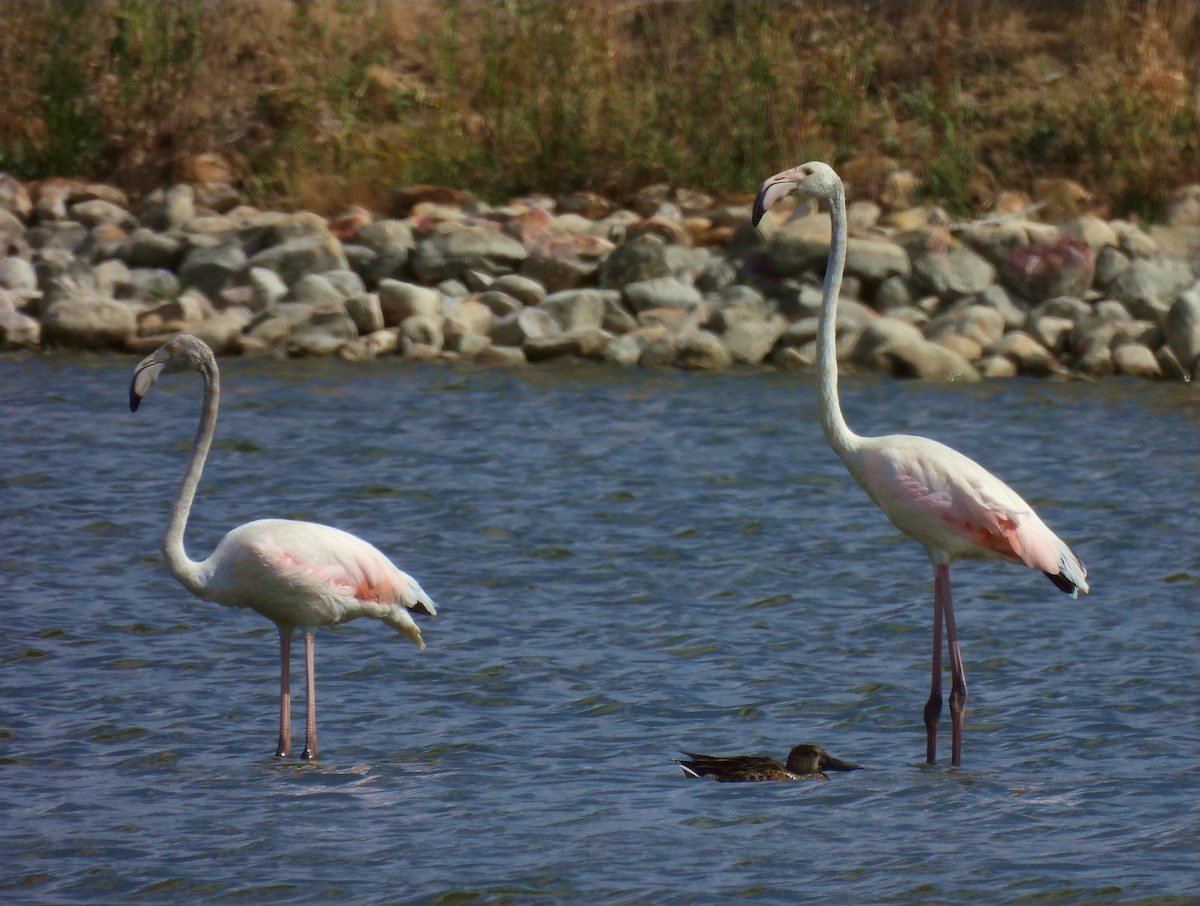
(947, 502)
(299, 575)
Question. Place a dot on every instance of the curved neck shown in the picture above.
(837, 432)
(186, 570)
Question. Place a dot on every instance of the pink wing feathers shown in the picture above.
(956, 508)
(308, 574)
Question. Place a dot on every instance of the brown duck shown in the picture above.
(804, 762)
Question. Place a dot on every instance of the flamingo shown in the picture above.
(932, 493)
(299, 575)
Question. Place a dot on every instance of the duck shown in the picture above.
(805, 762)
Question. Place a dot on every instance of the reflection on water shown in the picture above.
(629, 564)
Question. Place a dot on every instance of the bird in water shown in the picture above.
(804, 762)
(299, 575)
(932, 493)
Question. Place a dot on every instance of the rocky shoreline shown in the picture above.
(674, 280)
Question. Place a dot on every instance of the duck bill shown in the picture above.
(144, 376)
(829, 763)
(772, 189)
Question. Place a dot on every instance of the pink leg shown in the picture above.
(933, 707)
(958, 674)
(310, 695)
(285, 693)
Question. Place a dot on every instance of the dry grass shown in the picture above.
(326, 102)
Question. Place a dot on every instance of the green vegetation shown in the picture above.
(322, 103)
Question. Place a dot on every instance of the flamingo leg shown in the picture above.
(958, 674)
(933, 707)
(285, 693)
(310, 698)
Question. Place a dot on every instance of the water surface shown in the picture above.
(628, 564)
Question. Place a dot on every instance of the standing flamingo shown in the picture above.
(947, 502)
(299, 575)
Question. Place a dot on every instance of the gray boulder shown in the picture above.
(450, 250)
(88, 322)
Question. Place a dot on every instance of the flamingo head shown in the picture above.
(183, 353)
(811, 180)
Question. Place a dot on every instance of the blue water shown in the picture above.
(628, 564)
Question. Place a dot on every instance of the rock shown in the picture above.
(997, 242)
(366, 313)
(1051, 332)
(1097, 361)
(699, 350)
(466, 316)
(1110, 264)
(323, 329)
(880, 335)
(1171, 369)
(996, 366)
(96, 211)
(222, 331)
(1150, 286)
(981, 323)
(565, 262)
(315, 289)
(1043, 270)
(894, 292)
(399, 300)
(500, 355)
(927, 360)
(970, 349)
(182, 313)
(953, 273)
(554, 346)
(18, 274)
(1093, 232)
(18, 330)
(500, 303)
(267, 287)
(520, 326)
(527, 291)
(574, 309)
(170, 208)
(1134, 241)
(1182, 329)
(1061, 307)
(875, 260)
(1135, 360)
(146, 248)
(640, 259)
(14, 197)
(421, 330)
(88, 322)
(661, 292)
(449, 250)
(624, 351)
(1026, 353)
(293, 258)
(752, 340)
(211, 270)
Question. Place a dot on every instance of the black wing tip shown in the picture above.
(134, 401)
(1062, 583)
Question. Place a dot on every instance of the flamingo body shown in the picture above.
(299, 575)
(946, 501)
(956, 508)
(306, 575)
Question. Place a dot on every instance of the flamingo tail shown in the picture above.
(1071, 577)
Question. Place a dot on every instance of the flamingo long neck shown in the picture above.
(837, 432)
(182, 567)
